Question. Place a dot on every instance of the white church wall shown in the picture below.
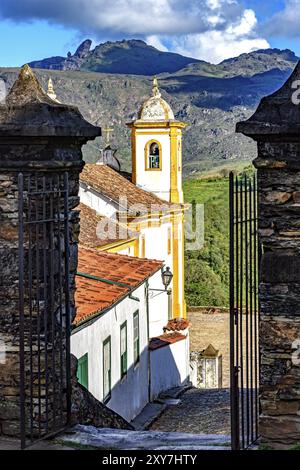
(96, 201)
(175, 370)
(158, 182)
(156, 243)
(130, 394)
(158, 306)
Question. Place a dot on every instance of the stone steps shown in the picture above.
(116, 439)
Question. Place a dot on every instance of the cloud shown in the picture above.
(208, 29)
(285, 23)
(122, 16)
(215, 46)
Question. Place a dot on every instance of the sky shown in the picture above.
(211, 30)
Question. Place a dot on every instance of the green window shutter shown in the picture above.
(83, 371)
(107, 369)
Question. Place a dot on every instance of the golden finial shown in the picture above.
(50, 91)
(155, 89)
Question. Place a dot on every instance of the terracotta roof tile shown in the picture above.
(113, 185)
(110, 232)
(93, 296)
(177, 324)
(165, 340)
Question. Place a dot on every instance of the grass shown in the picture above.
(207, 269)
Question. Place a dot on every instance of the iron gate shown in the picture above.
(244, 311)
(44, 305)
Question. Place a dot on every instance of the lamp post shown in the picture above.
(167, 277)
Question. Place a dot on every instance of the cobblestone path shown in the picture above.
(201, 411)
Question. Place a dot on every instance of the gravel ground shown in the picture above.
(201, 411)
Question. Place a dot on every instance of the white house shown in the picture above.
(127, 349)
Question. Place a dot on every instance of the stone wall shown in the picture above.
(275, 126)
(43, 140)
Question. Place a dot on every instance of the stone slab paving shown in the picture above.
(149, 414)
(48, 444)
(115, 439)
(200, 411)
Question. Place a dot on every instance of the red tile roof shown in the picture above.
(165, 340)
(112, 231)
(113, 185)
(177, 324)
(93, 296)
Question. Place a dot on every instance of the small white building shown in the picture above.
(128, 352)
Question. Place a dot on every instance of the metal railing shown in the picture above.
(44, 305)
(244, 311)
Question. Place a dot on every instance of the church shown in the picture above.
(130, 334)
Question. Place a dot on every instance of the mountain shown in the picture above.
(210, 98)
(133, 56)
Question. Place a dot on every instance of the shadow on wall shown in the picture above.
(155, 372)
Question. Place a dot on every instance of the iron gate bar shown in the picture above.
(21, 310)
(244, 311)
(233, 371)
(45, 376)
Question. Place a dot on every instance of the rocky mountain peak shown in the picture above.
(84, 49)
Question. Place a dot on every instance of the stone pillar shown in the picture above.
(37, 136)
(275, 127)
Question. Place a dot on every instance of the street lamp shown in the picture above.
(167, 277)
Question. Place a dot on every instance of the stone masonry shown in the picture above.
(38, 136)
(276, 128)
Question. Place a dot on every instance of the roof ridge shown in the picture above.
(101, 168)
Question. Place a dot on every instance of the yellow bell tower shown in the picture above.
(156, 139)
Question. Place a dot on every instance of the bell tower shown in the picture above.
(156, 139)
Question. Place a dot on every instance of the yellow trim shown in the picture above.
(179, 309)
(156, 124)
(146, 152)
(136, 248)
(133, 154)
(117, 246)
(143, 246)
(175, 267)
(169, 240)
(174, 193)
(183, 264)
(153, 133)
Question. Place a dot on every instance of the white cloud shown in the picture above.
(285, 23)
(215, 46)
(156, 42)
(207, 29)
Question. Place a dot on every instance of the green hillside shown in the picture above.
(207, 270)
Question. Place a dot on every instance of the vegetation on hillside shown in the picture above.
(210, 98)
(207, 269)
(207, 275)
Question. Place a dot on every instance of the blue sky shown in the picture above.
(212, 30)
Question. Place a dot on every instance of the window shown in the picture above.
(169, 240)
(153, 156)
(123, 349)
(136, 337)
(106, 369)
(83, 371)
